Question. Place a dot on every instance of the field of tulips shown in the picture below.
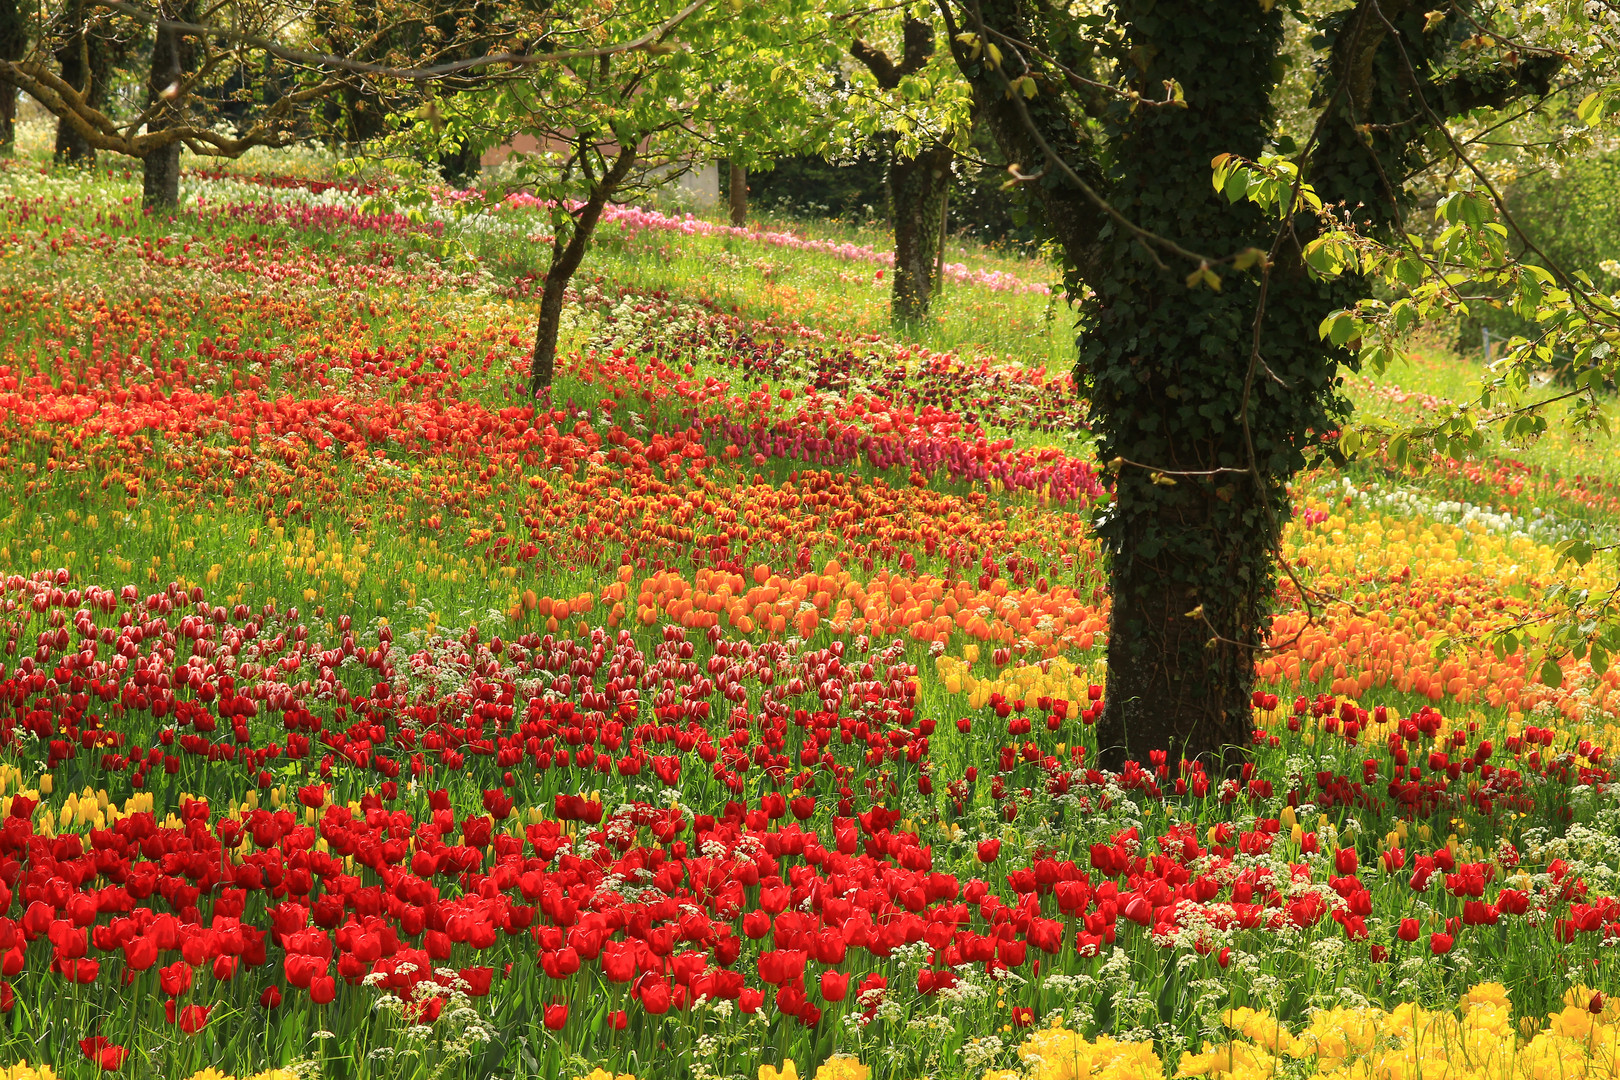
(727, 712)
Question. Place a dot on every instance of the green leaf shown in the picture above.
(1236, 186)
(1551, 674)
(1590, 110)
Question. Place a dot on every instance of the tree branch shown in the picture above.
(652, 37)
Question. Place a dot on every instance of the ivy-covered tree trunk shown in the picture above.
(917, 191)
(567, 252)
(1192, 532)
(1207, 385)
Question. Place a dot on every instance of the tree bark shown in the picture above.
(1189, 557)
(160, 169)
(565, 259)
(80, 57)
(1205, 400)
(8, 116)
(13, 44)
(460, 166)
(160, 179)
(737, 189)
(917, 190)
(1189, 585)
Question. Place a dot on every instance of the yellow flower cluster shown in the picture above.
(1477, 1042)
(837, 1067)
(24, 1071)
(1056, 1053)
(600, 1073)
(1019, 682)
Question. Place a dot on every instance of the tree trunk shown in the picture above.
(160, 188)
(555, 284)
(738, 191)
(160, 179)
(8, 116)
(13, 44)
(461, 165)
(87, 56)
(1164, 366)
(565, 259)
(917, 188)
(1189, 584)
(71, 147)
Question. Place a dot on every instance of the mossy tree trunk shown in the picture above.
(917, 191)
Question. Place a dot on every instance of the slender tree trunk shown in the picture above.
(917, 189)
(565, 259)
(738, 190)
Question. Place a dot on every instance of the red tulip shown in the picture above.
(1408, 930)
(1139, 910)
(989, 850)
(193, 1018)
(556, 1016)
(140, 953)
(175, 978)
(80, 971)
(1440, 944)
(619, 961)
(834, 985)
(322, 989)
(271, 998)
(108, 1056)
(1345, 861)
(655, 996)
